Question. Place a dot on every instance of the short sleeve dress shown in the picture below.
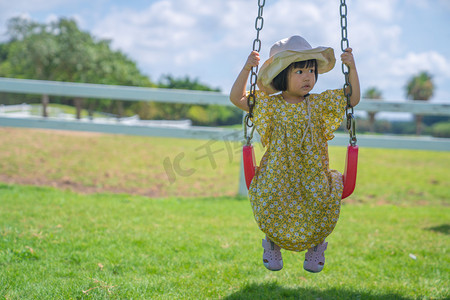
(294, 195)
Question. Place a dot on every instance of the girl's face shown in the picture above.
(300, 81)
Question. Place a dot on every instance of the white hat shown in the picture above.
(290, 50)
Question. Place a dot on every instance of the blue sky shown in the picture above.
(211, 39)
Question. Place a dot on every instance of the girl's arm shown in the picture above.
(349, 61)
(238, 94)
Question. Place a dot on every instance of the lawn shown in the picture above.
(93, 216)
(62, 245)
(167, 167)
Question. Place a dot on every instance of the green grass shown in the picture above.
(61, 245)
(148, 166)
(141, 226)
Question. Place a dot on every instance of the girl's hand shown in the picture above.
(252, 61)
(238, 94)
(348, 59)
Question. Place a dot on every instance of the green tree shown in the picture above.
(420, 87)
(199, 114)
(30, 53)
(61, 51)
(184, 83)
(374, 94)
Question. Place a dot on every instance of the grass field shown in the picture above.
(61, 245)
(193, 238)
(164, 167)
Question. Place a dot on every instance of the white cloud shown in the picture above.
(315, 20)
(390, 73)
(381, 10)
(181, 37)
(412, 63)
(164, 30)
(51, 18)
(210, 39)
(9, 9)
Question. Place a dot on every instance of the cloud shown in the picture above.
(380, 10)
(390, 73)
(195, 38)
(317, 21)
(426, 4)
(412, 63)
(9, 9)
(175, 31)
(210, 39)
(375, 27)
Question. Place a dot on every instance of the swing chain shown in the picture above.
(248, 137)
(259, 23)
(351, 123)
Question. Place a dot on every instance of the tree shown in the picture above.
(30, 52)
(61, 51)
(374, 94)
(199, 114)
(420, 87)
(186, 83)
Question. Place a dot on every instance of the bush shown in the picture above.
(441, 129)
(199, 115)
(403, 128)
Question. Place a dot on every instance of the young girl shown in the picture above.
(294, 195)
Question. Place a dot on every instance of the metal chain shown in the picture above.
(259, 23)
(351, 124)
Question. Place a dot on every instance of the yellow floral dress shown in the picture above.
(294, 195)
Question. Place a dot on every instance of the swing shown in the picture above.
(351, 160)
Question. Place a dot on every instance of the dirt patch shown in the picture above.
(66, 184)
(33, 156)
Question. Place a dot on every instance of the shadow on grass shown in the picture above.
(444, 228)
(275, 291)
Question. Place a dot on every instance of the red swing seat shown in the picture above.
(249, 164)
(351, 165)
(349, 177)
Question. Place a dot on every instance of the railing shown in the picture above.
(126, 93)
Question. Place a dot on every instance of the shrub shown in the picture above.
(441, 129)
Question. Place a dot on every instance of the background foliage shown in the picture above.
(61, 51)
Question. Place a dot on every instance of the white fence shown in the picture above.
(125, 93)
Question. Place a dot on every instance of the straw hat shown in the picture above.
(290, 50)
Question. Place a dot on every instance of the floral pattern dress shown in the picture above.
(294, 195)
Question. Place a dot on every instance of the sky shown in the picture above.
(210, 40)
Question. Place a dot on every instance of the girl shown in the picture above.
(294, 195)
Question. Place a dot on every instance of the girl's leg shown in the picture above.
(315, 258)
(272, 255)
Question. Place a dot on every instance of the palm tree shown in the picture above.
(420, 87)
(374, 94)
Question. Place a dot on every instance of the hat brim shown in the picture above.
(280, 61)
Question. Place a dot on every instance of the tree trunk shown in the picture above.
(371, 121)
(119, 109)
(45, 100)
(78, 105)
(91, 110)
(419, 124)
